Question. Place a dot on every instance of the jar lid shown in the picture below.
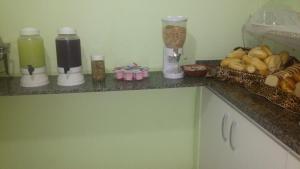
(29, 31)
(66, 31)
(98, 57)
(175, 19)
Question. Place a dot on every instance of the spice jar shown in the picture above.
(98, 67)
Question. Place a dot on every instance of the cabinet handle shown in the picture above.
(233, 125)
(225, 117)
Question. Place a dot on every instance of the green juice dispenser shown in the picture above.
(32, 58)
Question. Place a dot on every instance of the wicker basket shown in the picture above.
(255, 84)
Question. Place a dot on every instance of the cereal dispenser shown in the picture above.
(174, 35)
(32, 58)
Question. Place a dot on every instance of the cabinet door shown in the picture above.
(214, 150)
(254, 148)
(292, 163)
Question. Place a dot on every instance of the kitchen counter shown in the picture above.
(10, 86)
(280, 124)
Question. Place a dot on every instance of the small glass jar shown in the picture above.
(98, 67)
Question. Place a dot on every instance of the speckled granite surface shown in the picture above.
(11, 86)
(283, 126)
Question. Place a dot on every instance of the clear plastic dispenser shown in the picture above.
(174, 35)
(68, 57)
(278, 21)
(32, 58)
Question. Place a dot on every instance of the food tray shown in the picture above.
(255, 84)
(276, 96)
(240, 77)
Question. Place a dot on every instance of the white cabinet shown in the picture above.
(254, 148)
(214, 152)
(292, 163)
(229, 141)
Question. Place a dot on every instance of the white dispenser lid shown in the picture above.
(66, 31)
(29, 31)
(97, 57)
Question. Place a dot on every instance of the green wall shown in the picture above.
(128, 31)
(151, 129)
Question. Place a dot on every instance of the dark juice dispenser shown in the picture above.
(68, 52)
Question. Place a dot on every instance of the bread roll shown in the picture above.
(267, 60)
(237, 54)
(225, 62)
(294, 69)
(250, 69)
(290, 82)
(286, 86)
(292, 72)
(272, 80)
(264, 72)
(247, 59)
(259, 65)
(266, 49)
(273, 62)
(237, 66)
(284, 55)
(297, 90)
(258, 52)
(296, 77)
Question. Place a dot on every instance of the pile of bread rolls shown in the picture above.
(288, 79)
(258, 60)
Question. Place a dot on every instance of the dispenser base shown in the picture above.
(35, 80)
(178, 75)
(72, 79)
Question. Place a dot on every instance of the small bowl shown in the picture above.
(195, 70)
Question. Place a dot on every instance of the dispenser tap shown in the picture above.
(66, 69)
(30, 69)
(177, 54)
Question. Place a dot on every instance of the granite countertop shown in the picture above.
(280, 124)
(10, 86)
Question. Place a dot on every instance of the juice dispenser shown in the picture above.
(32, 58)
(68, 52)
(174, 35)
